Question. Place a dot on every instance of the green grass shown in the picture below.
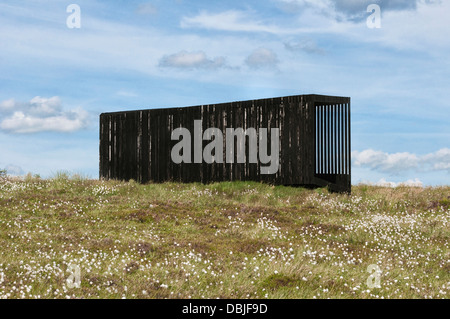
(223, 240)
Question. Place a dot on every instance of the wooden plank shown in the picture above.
(124, 146)
(341, 121)
(110, 147)
(220, 114)
(127, 145)
(217, 120)
(338, 136)
(176, 124)
(323, 138)
(120, 136)
(265, 114)
(139, 147)
(144, 148)
(103, 146)
(245, 126)
(154, 146)
(331, 139)
(251, 123)
(317, 139)
(206, 169)
(278, 112)
(151, 175)
(349, 140)
(299, 105)
(164, 160)
(309, 153)
(335, 136)
(328, 107)
(134, 145)
(258, 120)
(287, 153)
(116, 155)
(237, 146)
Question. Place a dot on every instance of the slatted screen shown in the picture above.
(332, 139)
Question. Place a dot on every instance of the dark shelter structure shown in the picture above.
(313, 141)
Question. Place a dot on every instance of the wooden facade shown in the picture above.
(314, 142)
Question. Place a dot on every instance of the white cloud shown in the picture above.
(242, 21)
(385, 162)
(439, 160)
(7, 105)
(310, 21)
(262, 58)
(191, 60)
(422, 29)
(46, 106)
(231, 20)
(399, 162)
(307, 45)
(294, 6)
(40, 114)
(349, 9)
(418, 25)
(384, 183)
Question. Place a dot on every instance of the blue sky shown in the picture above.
(55, 80)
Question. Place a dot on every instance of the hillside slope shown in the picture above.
(79, 238)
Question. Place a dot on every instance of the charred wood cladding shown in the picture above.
(299, 140)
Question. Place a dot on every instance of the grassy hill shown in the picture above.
(223, 240)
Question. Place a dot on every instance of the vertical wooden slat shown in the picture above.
(319, 136)
(310, 151)
(296, 106)
(324, 140)
(154, 145)
(325, 144)
(316, 146)
(333, 140)
(110, 148)
(349, 140)
(258, 109)
(322, 137)
(223, 129)
(346, 139)
(302, 103)
(320, 164)
(338, 136)
(238, 149)
(116, 155)
(328, 138)
(341, 139)
(104, 147)
(151, 176)
(144, 148)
